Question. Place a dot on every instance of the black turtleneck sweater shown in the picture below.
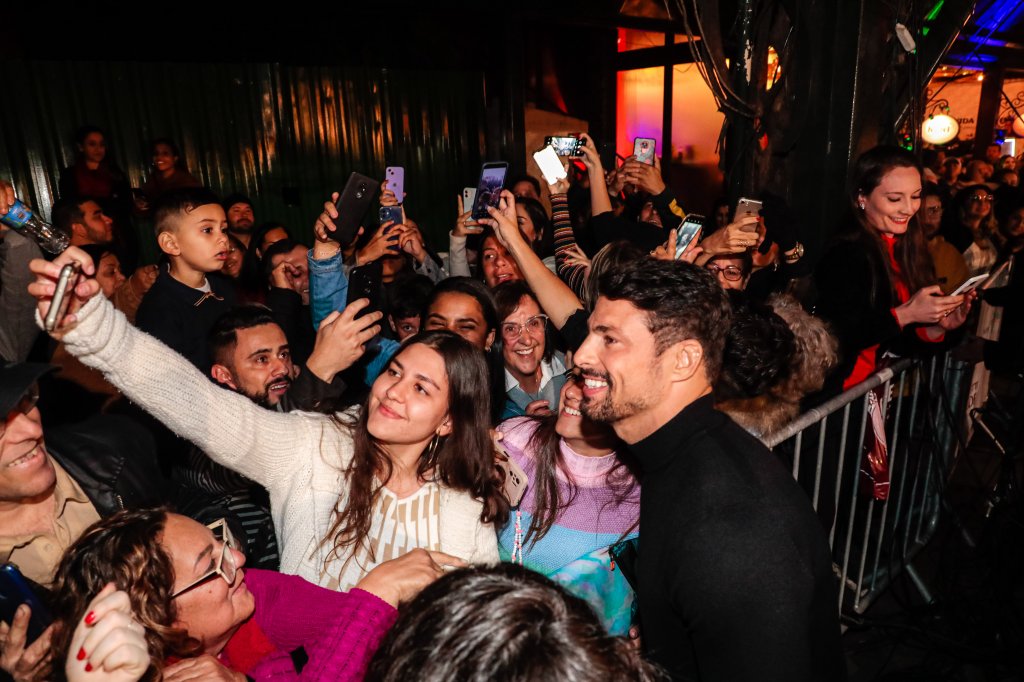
(734, 570)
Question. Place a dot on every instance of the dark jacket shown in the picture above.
(182, 317)
(114, 460)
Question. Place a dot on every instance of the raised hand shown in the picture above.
(342, 338)
(48, 272)
(108, 643)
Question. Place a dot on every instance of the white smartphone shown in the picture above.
(687, 231)
(468, 197)
(970, 285)
(550, 165)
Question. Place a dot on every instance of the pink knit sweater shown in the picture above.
(340, 631)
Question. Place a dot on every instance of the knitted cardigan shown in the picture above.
(298, 457)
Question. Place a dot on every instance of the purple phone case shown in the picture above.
(396, 181)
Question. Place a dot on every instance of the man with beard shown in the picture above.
(238, 209)
(734, 572)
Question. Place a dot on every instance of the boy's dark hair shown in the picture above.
(516, 179)
(682, 301)
(172, 205)
(235, 198)
(223, 335)
(68, 211)
(502, 623)
(408, 295)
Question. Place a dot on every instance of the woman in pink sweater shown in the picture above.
(205, 617)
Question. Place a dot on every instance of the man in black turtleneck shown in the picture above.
(735, 574)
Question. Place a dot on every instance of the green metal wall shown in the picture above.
(255, 128)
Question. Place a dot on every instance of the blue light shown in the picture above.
(965, 59)
(1000, 14)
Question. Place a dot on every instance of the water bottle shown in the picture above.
(21, 218)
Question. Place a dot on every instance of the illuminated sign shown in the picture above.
(939, 129)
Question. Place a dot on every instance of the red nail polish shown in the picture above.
(90, 618)
(81, 654)
(88, 667)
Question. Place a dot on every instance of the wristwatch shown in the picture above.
(794, 254)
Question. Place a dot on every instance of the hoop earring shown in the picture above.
(435, 442)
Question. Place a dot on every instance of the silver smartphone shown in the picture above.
(62, 295)
(747, 207)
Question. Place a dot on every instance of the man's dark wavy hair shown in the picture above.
(682, 301)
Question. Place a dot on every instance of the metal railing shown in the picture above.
(873, 539)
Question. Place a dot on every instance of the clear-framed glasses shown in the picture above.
(24, 406)
(534, 325)
(978, 198)
(730, 272)
(224, 564)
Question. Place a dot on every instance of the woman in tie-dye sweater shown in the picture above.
(582, 498)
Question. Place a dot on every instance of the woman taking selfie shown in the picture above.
(204, 616)
(876, 284)
(343, 488)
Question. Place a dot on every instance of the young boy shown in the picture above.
(189, 293)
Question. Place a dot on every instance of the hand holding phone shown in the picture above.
(687, 233)
(77, 289)
(356, 198)
(643, 149)
(464, 224)
(62, 295)
(488, 190)
(748, 208)
(15, 591)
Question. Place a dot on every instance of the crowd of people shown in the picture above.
(533, 455)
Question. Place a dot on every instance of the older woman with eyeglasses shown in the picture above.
(205, 617)
(533, 369)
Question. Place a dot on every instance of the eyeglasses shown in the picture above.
(534, 325)
(730, 272)
(224, 564)
(23, 406)
(987, 199)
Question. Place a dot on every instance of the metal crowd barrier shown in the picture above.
(873, 540)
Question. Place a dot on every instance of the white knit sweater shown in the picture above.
(298, 457)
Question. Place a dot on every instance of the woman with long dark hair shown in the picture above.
(876, 284)
(412, 468)
(581, 499)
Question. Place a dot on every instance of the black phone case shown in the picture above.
(365, 281)
(355, 199)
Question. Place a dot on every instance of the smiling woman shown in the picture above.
(204, 616)
(877, 280)
(413, 468)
